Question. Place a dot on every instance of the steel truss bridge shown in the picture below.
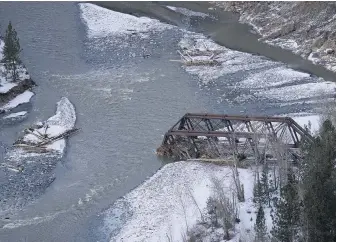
(260, 137)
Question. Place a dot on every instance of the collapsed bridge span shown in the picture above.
(198, 135)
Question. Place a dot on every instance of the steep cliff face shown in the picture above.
(306, 28)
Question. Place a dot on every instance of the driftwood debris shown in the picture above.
(39, 146)
(198, 57)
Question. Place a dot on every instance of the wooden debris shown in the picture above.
(197, 57)
(40, 146)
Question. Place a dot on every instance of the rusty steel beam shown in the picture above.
(275, 129)
(230, 134)
(282, 120)
(239, 118)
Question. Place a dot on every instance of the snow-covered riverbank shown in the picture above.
(307, 29)
(173, 200)
(14, 93)
(101, 23)
(267, 79)
(164, 206)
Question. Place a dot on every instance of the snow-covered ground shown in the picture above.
(27, 170)
(62, 121)
(266, 80)
(230, 61)
(6, 84)
(169, 202)
(15, 115)
(187, 12)
(19, 99)
(102, 22)
(313, 122)
(2, 44)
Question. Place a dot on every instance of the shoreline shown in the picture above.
(14, 93)
(224, 28)
(279, 28)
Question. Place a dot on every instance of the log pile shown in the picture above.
(199, 57)
(39, 145)
(183, 149)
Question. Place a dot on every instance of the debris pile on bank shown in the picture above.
(198, 53)
(49, 136)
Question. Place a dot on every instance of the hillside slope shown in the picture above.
(306, 28)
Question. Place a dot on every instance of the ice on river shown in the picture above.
(102, 22)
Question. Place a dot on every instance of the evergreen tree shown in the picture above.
(260, 226)
(286, 221)
(11, 51)
(320, 186)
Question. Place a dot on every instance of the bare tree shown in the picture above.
(195, 203)
(227, 210)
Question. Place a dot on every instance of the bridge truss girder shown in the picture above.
(257, 136)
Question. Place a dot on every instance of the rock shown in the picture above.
(311, 25)
(329, 51)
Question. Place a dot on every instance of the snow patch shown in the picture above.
(230, 61)
(65, 116)
(300, 91)
(313, 120)
(102, 22)
(6, 86)
(287, 44)
(272, 77)
(63, 120)
(19, 99)
(15, 115)
(187, 12)
(2, 45)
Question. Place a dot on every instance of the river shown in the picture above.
(124, 104)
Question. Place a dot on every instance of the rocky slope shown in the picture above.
(306, 28)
